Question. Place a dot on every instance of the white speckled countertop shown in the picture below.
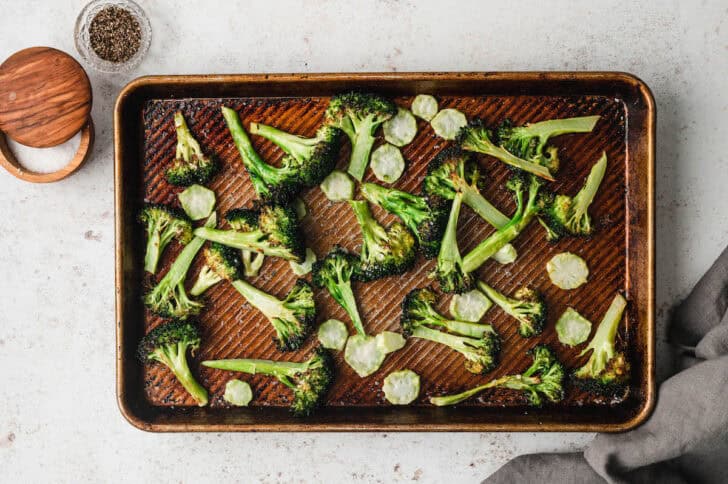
(58, 416)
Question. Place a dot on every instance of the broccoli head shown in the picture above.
(543, 379)
(314, 158)
(481, 353)
(168, 344)
(163, 224)
(564, 215)
(272, 230)
(335, 272)
(424, 219)
(607, 370)
(221, 263)
(384, 252)
(292, 318)
(190, 165)
(359, 115)
(309, 381)
(527, 307)
(273, 184)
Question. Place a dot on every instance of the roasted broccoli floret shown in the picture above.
(453, 170)
(314, 157)
(419, 309)
(449, 271)
(359, 115)
(335, 272)
(607, 371)
(272, 230)
(527, 307)
(525, 211)
(481, 353)
(163, 224)
(384, 252)
(544, 378)
(190, 165)
(424, 219)
(310, 380)
(221, 263)
(529, 142)
(292, 318)
(565, 215)
(169, 298)
(168, 344)
(273, 184)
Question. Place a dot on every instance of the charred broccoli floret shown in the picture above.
(527, 307)
(163, 224)
(169, 298)
(544, 378)
(314, 157)
(221, 263)
(419, 309)
(272, 230)
(335, 272)
(481, 353)
(190, 165)
(359, 115)
(384, 252)
(292, 318)
(168, 344)
(565, 215)
(273, 184)
(607, 371)
(424, 219)
(309, 381)
(525, 211)
(450, 272)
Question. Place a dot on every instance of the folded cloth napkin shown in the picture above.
(686, 438)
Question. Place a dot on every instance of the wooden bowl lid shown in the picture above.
(45, 97)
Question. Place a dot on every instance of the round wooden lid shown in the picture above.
(45, 97)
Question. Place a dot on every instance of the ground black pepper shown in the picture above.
(115, 34)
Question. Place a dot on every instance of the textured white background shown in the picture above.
(58, 416)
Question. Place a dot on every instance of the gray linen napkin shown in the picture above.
(686, 438)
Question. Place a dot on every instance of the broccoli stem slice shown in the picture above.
(187, 145)
(244, 241)
(175, 358)
(361, 147)
(294, 145)
(586, 195)
(603, 341)
(205, 280)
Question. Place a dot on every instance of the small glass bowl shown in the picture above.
(83, 41)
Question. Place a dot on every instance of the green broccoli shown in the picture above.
(310, 380)
(272, 230)
(523, 216)
(528, 308)
(424, 219)
(169, 298)
(570, 216)
(544, 378)
(314, 157)
(359, 115)
(190, 165)
(292, 318)
(384, 252)
(419, 308)
(529, 142)
(221, 263)
(168, 344)
(607, 371)
(481, 353)
(449, 271)
(163, 224)
(335, 272)
(273, 184)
